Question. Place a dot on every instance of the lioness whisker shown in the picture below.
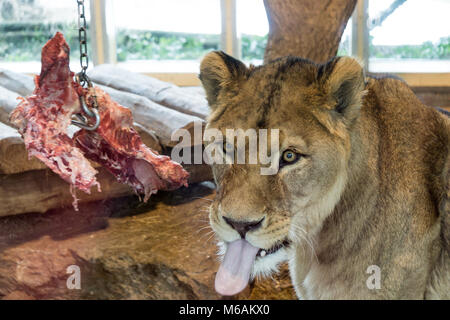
(201, 198)
(203, 228)
(303, 236)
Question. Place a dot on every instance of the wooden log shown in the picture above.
(152, 117)
(148, 137)
(14, 157)
(26, 185)
(24, 85)
(163, 121)
(16, 82)
(41, 190)
(163, 93)
(198, 172)
(8, 101)
(197, 90)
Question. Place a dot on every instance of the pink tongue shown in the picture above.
(234, 272)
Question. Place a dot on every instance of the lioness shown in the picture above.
(362, 186)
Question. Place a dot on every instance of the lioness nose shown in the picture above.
(242, 227)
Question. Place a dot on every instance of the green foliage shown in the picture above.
(24, 41)
(253, 47)
(343, 49)
(21, 41)
(426, 50)
(159, 45)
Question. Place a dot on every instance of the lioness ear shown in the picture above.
(219, 71)
(343, 79)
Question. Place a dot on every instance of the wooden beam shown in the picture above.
(360, 33)
(102, 32)
(229, 38)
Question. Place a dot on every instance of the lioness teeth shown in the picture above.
(262, 253)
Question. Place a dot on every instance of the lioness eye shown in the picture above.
(227, 148)
(289, 157)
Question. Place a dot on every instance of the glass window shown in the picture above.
(166, 36)
(345, 46)
(252, 29)
(409, 36)
(26, 25)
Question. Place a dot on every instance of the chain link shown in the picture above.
(82, 77)
(82, 35)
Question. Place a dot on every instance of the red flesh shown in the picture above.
(44, 117)
(118, 147)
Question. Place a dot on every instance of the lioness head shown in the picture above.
(260, 218)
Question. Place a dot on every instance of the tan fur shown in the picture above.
(372, 188)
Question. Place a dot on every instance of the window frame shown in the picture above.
(104, 46)
(360, 50)
(102, 33)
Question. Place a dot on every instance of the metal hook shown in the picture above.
(93, 113)
(82, 78)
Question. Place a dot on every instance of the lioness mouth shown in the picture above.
(234, 271)
(275, 248)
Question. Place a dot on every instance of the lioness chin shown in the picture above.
(362, 181)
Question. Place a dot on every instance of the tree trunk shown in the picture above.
(309, 29)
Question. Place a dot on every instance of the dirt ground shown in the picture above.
(125, 250)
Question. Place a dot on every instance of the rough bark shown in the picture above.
(8, 101)
(309, 29)
(41, 190)
(163, 121)
(161, 92)
(27, 186)
(175, 108)
(17, 82)
(14, 157)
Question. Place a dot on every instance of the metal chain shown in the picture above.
(82, 77)
(82, 36)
